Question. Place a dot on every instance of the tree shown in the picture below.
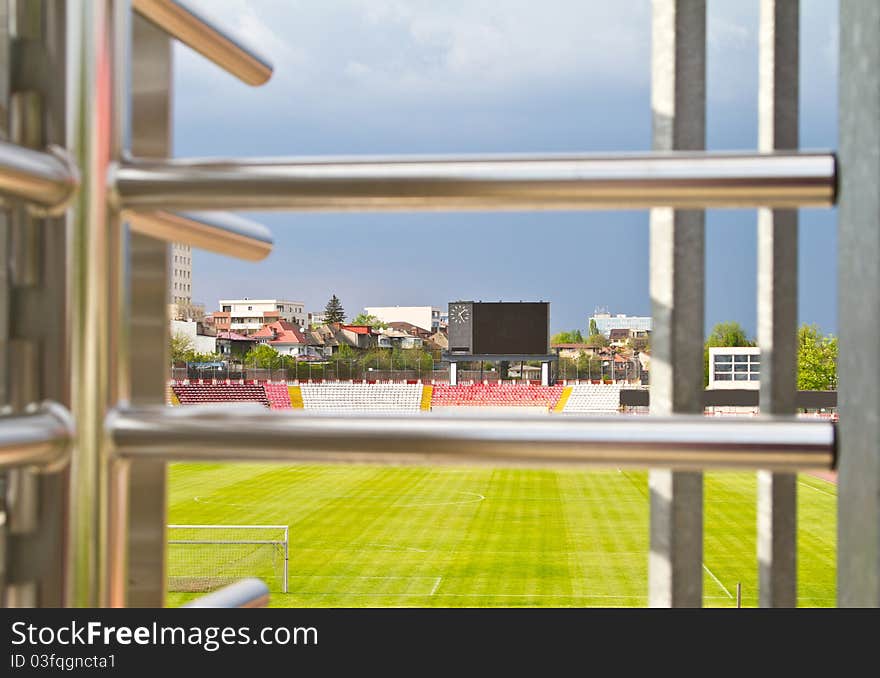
(333, 311)
(262, 355)
(817, 359)
(345, 352)
(205, 358)
(181, 348)
(598, 339)
(729, 333)
(369, 320)
(594, 328)
(640, 344)
(570, 337)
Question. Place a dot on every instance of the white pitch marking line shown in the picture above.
(497, 595)
(392, 547)
(717, 581)
(479, 498)
(816, 488)
(436, 584)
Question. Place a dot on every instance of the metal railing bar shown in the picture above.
(46, 179)
(689, 442)
(182, 22)
(509, 182)
(632, 397)
(41, 438)
(218, 232)
(245, 593)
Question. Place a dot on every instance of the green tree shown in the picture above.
(181, 348)
(598, 339)
(817, 359)
(729, 333)
(333, 311)
(369, 321)
(570, 337)
(262, 355)
(594, 328)
(205, 358)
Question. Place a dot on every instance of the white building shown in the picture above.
(315, 318)
(605, 322)
(201, 343)
(735, 367)
(180, 280)
(246, 316)
(427, 317)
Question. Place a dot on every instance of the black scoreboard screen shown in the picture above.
(499, 328)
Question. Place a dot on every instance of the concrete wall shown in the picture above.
(201, 343)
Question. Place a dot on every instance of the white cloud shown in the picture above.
(448, 49)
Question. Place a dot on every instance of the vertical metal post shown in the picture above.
(116, 472)
(777, 299)
(151, 60)
(91, 120)
(678, 95)
(22, 488)
(858, 497)
(33, 300)
(5, 77)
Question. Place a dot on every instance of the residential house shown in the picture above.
(572, 351)
(234, 346)
(410, 329)
(392, 338)
(284, 337)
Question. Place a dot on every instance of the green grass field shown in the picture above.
(363, 536)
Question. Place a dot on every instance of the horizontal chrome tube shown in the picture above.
(245, 593)
(185, 24)
(561, 182)
(48, 180)
(218, 232)
(41, 438)
(251, 433)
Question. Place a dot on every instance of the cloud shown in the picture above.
(391, 48)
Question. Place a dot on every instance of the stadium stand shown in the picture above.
(190, 394)
(278, 396)
(593, 398)
(352, 397)
(495, 395)
(296, 397)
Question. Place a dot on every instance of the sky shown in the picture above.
(490, 76)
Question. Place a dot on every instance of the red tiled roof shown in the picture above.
(234, 336)
(281, 332)
(357, 329)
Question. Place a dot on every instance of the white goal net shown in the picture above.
(202, 558)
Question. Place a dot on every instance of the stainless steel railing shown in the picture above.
(623, 181)
(227, 51)
(217, 232)
(40, 438)
(47, 180)
(251, 433)
(244, 593)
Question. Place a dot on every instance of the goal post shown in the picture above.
(202, 558)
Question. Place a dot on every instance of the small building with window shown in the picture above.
(247, 316)
(735, 367)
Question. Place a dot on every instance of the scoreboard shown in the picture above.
(499, 328)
